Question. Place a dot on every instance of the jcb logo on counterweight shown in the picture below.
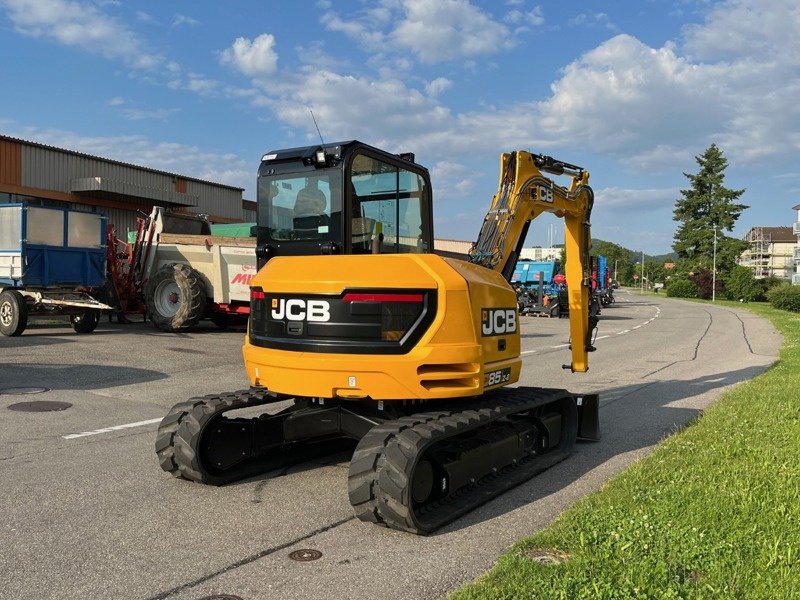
(296, 309)
(498, 321)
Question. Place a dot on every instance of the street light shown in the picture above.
(714, 269)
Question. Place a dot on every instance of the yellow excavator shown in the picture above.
(364, 333)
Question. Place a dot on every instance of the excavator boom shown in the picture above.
(523, 194)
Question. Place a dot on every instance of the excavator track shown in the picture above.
(414, 472)
(179, 436)
(398, 457)
(196, 441)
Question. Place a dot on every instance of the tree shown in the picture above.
(708, 206)
(618, 258)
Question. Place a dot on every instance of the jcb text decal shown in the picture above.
(498, 321)
(296, 309)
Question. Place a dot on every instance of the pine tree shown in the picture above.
(705, 207)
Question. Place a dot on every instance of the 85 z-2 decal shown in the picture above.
(497, 377)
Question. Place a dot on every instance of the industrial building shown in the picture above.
(42, 175)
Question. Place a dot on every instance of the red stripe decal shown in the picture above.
(382, 298)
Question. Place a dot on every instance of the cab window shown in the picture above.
(301, 206)
(388, 200)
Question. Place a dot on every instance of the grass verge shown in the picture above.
(714, 512)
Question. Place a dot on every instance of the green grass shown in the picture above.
(714, 512)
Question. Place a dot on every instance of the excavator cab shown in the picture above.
(342, 198)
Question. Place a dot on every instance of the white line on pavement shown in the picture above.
(72, 436)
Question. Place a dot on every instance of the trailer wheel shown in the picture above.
(176, 297)
(13, 313)
(86, 321)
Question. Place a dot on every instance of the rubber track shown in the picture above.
(181, 430)
(384, 461)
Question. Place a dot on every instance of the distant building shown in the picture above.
(796, 254)
(771, 252)
(538, 253)
(454, 246)
(43, 175)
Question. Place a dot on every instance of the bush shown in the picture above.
(741, 285)
(704, 280)
(682, 288)
(785, 297)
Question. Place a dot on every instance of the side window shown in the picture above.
(412, 196)
(389, 201)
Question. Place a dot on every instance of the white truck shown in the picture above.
(188, 273)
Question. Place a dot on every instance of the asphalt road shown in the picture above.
(93, 516)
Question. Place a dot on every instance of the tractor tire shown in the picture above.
(85, 322)
(13, 313)
(176, 298)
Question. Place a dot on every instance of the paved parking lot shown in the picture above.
(88, 513)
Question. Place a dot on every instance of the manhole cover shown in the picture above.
(14, 391)
(40, 406)
(305, 555)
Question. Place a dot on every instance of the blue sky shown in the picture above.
(630, 90)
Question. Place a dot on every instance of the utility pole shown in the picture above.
(714, 269)
(642, 271)
(615, 269)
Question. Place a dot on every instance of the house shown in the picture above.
(771, 251)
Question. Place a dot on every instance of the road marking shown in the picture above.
(638, 327)
(528, 352)
(560, 346)
(623, 331)
(72, 436)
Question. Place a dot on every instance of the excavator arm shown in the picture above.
(523, 194)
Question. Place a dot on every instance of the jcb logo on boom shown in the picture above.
(498, 321)
(296, 309)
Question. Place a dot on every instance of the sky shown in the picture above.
(631, 90)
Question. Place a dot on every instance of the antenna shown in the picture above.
(317, 126)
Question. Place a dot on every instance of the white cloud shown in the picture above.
(255, 58)
(80, 25)
(158, 114)
(434, 30)
(535, 16)
(601, 20)
(763, 30)
(437, 86)
(625, 201)
(116, 101)
(440, 30)
(184, 20)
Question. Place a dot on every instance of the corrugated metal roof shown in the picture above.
(115, 162)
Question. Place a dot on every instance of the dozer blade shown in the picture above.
(588, 417)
